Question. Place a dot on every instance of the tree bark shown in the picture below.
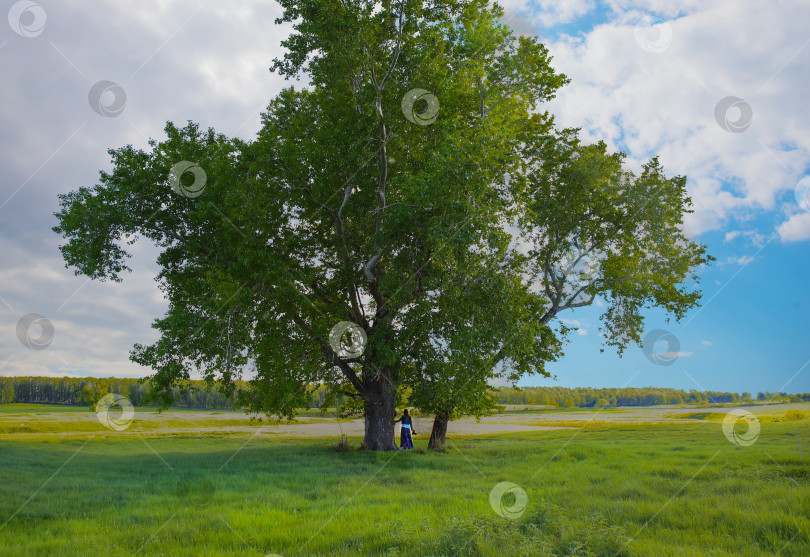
(439, 432)
(379, 402)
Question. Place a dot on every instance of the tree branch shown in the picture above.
(331, 355)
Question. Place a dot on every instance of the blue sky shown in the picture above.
(751, 332)
(646, 77)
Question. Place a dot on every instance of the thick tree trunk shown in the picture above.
(439, 432)
(379, 401)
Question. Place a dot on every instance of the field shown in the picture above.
(641, 481)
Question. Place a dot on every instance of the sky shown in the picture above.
(717, 89)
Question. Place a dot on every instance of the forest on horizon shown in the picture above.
(199, 395)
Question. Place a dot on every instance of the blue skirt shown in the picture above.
(405, 441)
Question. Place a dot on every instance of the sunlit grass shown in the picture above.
(641, 489)
(58, 419)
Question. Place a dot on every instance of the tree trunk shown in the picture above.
(379, 401)
(439, 432)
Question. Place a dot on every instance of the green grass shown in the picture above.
(670, 489)
(708, 416)
(763, 418)
(27, 409)
(58, 419)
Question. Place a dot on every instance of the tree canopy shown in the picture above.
(413, 188)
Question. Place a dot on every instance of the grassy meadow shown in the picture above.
(664, 483)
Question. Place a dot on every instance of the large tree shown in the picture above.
(586, 228)
(371, 196)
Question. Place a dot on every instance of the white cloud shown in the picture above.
(664, 103)
(795, 228)
(553, 12)
(184, 60)
(673, 355)
(94, 324)
(752, 236)
(498, 381)
(574, 324)
(705, 343)
(519, 13)
(41, 373)
(742, 260)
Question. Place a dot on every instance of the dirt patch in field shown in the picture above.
(212, 424)
(230, 423)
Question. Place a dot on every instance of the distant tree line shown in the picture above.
(197, 394)
(88, 390)
(586, 397)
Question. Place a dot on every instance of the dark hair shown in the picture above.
(406, 412)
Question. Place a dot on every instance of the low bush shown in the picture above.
(342, 445)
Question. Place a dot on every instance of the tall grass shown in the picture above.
(672, 489)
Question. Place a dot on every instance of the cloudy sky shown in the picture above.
(718, 89)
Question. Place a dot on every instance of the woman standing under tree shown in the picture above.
(405, 441)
